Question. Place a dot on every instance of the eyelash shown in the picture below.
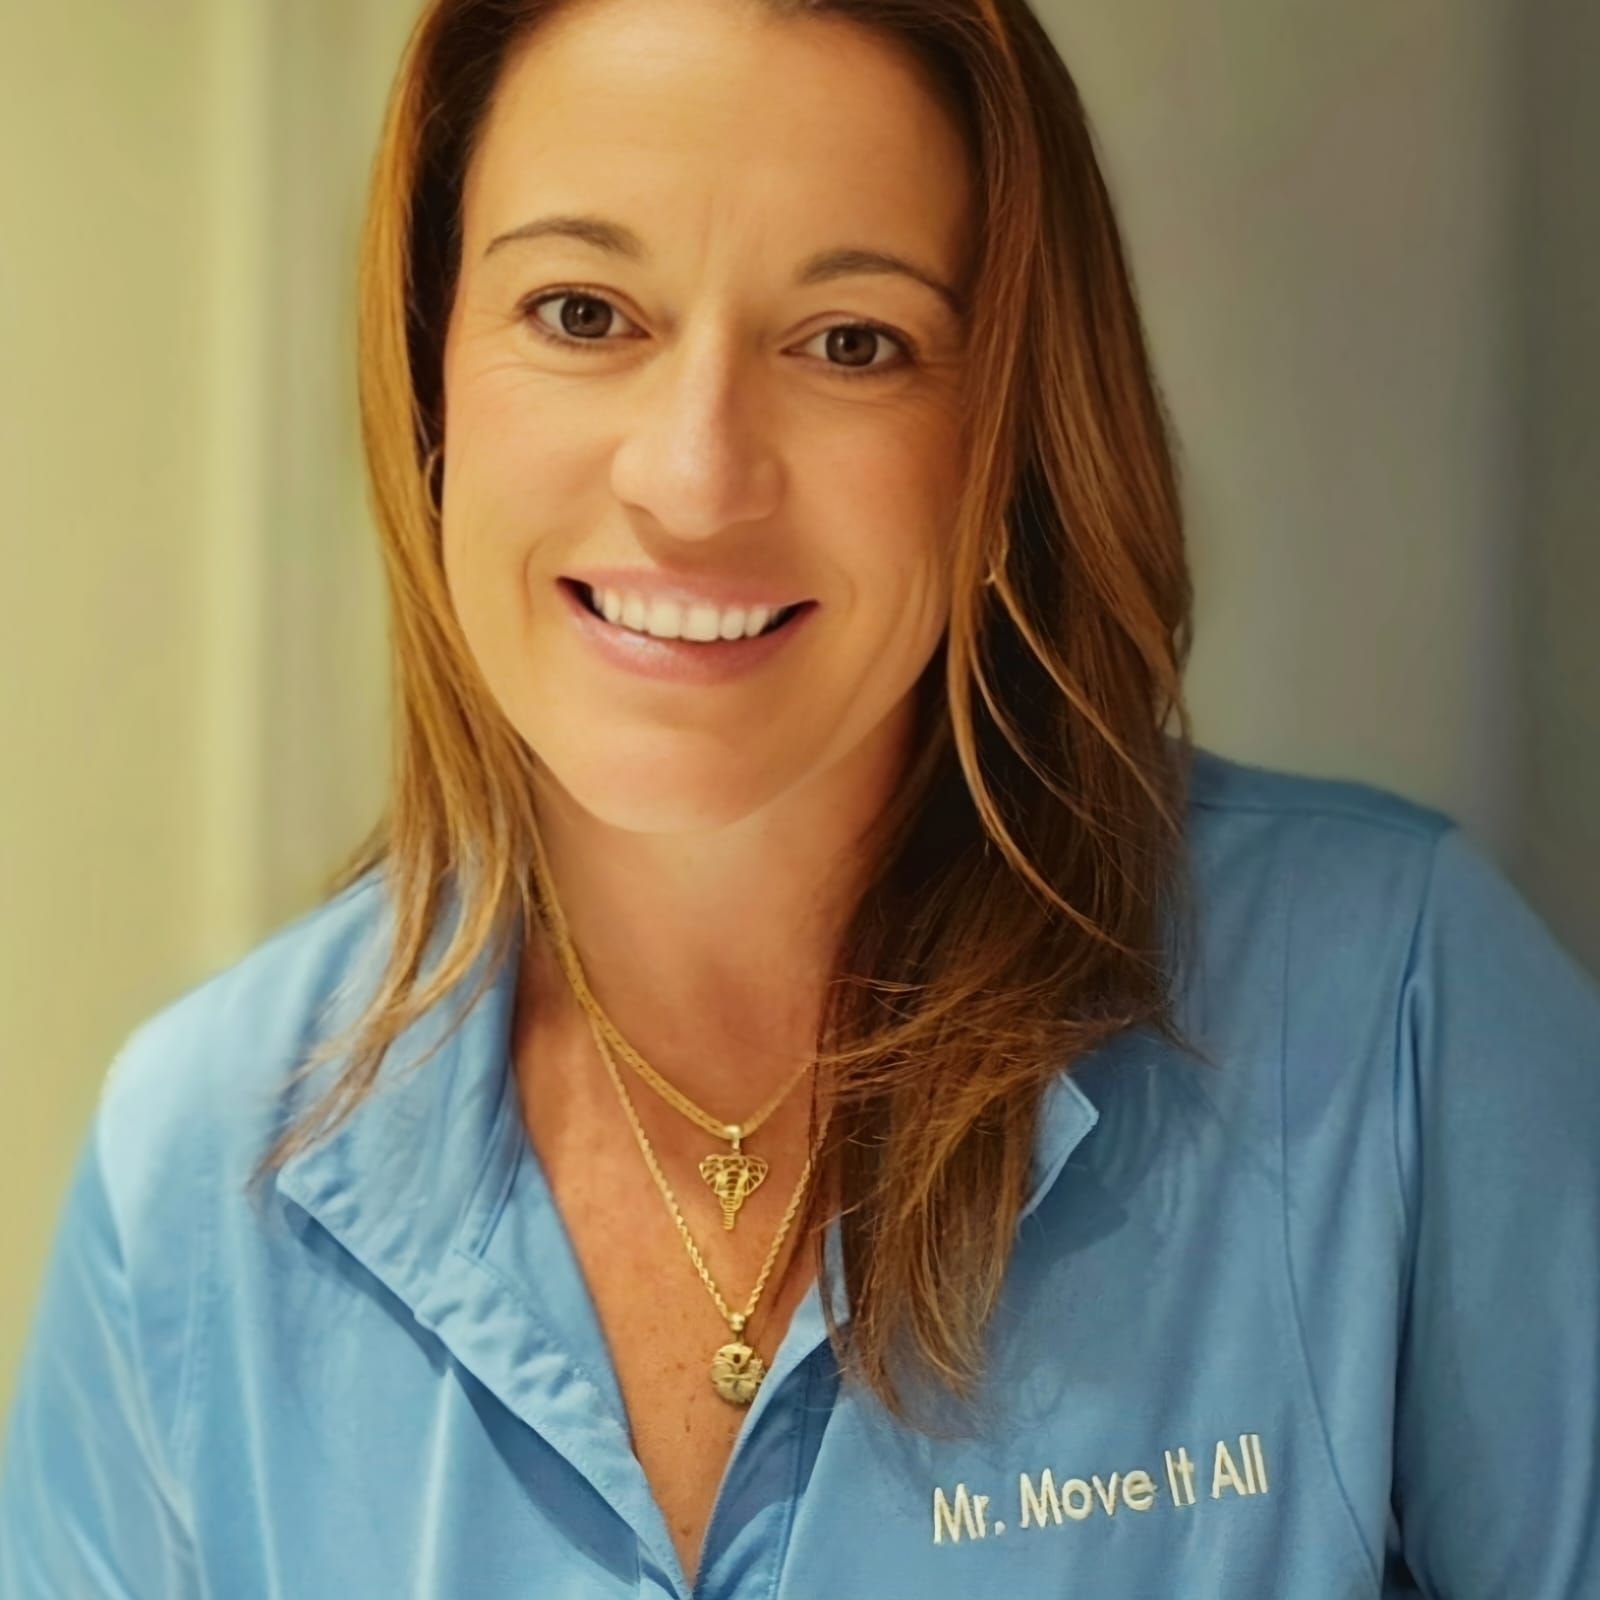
(531, 305)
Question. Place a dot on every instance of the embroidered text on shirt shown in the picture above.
(1041, 1504)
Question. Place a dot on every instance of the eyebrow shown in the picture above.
(826, 265)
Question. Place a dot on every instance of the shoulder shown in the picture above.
(1376, 960)
(1339, 869)
(1310, 895)
(147, 1235)
(1359, 893)
(193, 1093)
(1229, 796)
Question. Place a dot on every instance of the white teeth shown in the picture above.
(666, 619)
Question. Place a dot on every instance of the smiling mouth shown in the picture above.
(778, 619)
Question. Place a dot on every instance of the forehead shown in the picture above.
(714, 113)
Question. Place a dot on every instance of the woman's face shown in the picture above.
(714, 417)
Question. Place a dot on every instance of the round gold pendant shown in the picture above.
(736, 1373)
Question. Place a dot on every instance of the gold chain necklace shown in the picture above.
(736, 1369)
(732, 1176)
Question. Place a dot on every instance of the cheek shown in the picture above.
(517, 503)
(487, 560)
(524, 468)
(896, 522)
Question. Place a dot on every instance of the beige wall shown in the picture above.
(102, 344)
(192, 666)
(1558, 213)
(1317, 197)
(1376, 334)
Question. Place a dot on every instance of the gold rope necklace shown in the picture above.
(732, 1176)
(736, 1369)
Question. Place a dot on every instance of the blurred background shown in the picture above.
(1367, 238)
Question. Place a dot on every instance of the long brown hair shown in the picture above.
(1033, 856)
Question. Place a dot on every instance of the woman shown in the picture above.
(812, 1089)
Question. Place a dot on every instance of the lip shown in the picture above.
(652, 584)
(679, 660)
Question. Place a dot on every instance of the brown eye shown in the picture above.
(583, 319)
(850, 346)
(586, 318)
(853, 344)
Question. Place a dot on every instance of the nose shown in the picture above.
(696, 454)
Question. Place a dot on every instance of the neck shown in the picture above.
(709, 951)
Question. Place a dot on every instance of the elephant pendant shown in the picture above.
(733, 1179)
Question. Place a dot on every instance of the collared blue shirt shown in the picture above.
(1321, 1323)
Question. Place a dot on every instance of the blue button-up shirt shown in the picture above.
(1318, 1324)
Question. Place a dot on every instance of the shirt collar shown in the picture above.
(411, 1184)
